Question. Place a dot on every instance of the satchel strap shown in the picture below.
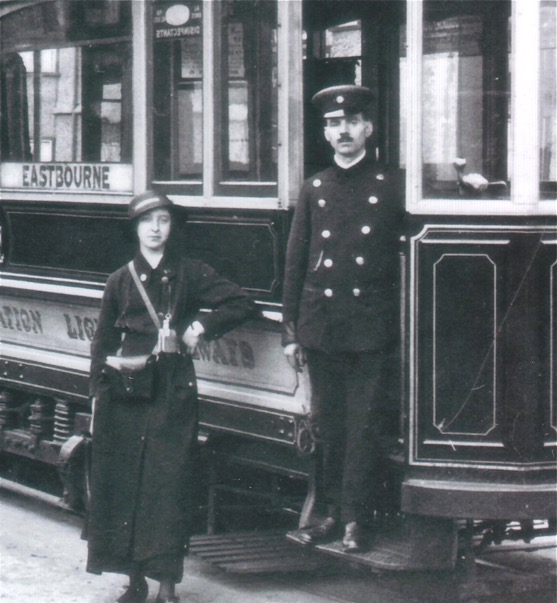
(144, 295)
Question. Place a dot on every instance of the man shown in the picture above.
(340, 311)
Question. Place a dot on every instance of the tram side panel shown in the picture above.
(481, 397)
(48, 315)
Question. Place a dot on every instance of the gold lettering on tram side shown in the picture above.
(21, 319)
(227, 352)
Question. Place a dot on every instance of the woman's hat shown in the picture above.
(339, 101)
(146, 202)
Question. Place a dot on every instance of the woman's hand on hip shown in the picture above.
(192, 336)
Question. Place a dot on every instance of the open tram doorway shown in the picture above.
(352, 42)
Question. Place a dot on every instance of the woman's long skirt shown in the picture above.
(142, 476)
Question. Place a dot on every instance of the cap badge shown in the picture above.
(340, 99)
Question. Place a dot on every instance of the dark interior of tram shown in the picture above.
(368, 56)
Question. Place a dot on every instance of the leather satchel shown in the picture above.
(131, 379)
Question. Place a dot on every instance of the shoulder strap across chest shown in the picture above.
(144, 295)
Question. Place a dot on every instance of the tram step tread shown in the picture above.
(208, 551)
(246, 556)
(237, 537)
(254, 552)
(287, 564)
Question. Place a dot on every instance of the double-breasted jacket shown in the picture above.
(341, 286)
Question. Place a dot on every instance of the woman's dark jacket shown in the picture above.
(142, 471)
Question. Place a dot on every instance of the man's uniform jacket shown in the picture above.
(341, 290)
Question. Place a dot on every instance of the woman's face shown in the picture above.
(153, 229)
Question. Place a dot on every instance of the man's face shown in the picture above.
(347, 135)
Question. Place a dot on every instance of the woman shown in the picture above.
(143, 449)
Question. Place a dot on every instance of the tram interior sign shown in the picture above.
(177, 20)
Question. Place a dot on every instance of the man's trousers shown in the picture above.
(354, 413)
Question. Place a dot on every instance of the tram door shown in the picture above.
(352, 42)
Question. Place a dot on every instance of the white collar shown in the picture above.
(348, 164)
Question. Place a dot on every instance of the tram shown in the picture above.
(208, 101)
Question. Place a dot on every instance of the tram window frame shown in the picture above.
(85, 31)
(168, 75)
(525, 195)
(213, 190)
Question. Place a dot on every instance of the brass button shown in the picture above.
(373, 199)
(322, 203)
(366, 230)
(356, 292)
(360, 260)
(326, 234)
(328, 263)
(317, 183)
(328, 293)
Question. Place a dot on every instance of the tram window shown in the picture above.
(548, 100)
(248, 92)
(63, 99)
(178, 97)
(465, 94)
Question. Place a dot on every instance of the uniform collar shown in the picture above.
(354, 162)
(364, 164)
(166, 267)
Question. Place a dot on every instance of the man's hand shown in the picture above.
(93, 403)
(295, 355)
(192, 336)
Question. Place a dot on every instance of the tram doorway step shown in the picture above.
(404, 543)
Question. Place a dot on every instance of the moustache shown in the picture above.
(345, 139)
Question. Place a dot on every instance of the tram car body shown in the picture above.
(209, 102)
